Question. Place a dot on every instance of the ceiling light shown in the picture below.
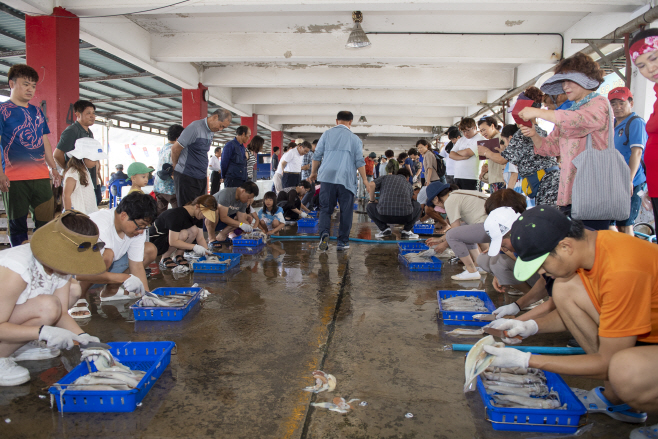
(363, 119)
(358, 37)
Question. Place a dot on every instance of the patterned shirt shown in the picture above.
(21, 132)
(569, 139)
(251, 163)
(395, 197)
(164, 186)
(307, 160)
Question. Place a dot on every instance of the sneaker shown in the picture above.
(465, 275)
(645, 432)
(11, 374)
(343, 246)
(34, 350)
(383, 233)
(324, 243)
(408, 234)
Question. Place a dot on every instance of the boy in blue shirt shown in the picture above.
(630, 139)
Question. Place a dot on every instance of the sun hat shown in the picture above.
(553, 85)
(210, 214)
(165, 172)
(139, 168)
(621, 93)
(534, 235)
(434, 189)
(497, 224)
(59, 248)
(88, 148)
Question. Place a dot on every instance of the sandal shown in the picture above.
(595, 402)
(215, 245)
(80, 310)
(180, 260)
(167, 263)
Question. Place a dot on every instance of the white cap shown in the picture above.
(422, 195)
(88, 148)
(497, 224)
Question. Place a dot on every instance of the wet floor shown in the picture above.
(247, 351)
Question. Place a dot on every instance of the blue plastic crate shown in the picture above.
(169, 314)
(307, 222)
(248, 250)
(424, 229)
(313, 214)
(537, 420)
(204, 267)
(151, 357)
(307, 230)
(464, 318)
(435, 265)
(239, 241)
(412, 247)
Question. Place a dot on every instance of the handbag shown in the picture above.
(530, 183)
(601, 188)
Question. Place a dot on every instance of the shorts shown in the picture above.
(28, 196)
(161, 242)
(636, 203)
(118, 266)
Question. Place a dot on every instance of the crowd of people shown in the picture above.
(533, 212)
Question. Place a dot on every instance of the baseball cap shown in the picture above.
(497, 224)
(138, 168)
(88, 148)
(434, 189)
(165, 172)
(422, 195)
(534, 235)
(622, 93)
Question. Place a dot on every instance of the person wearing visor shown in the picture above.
(579, 76)
(606, 296)
(37, 292)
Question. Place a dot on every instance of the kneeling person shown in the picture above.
(232, 203)
(290, 200)
(396, 204)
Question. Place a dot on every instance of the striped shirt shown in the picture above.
(251, 162)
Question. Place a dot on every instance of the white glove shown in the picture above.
(134, 285)
(200, 250)
(246, 228)
(524, 329)
(85, 339)
(57, 337)
(415, 179)
(508, 357)
(507, 310)
(303, 215)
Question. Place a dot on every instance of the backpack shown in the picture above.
(440, 165)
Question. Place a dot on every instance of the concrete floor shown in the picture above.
(245, 354)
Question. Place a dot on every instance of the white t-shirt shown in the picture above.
(293, 161)
(83, 198)
(20, 260)
(104, 219)
(450, 163)
(467, 169)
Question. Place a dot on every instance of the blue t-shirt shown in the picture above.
(637, 137)
(21, 131)
(269, 218)
(412, 166)
(195, 140)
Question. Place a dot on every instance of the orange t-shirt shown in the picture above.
(623, 286)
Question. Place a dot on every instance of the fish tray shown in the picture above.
(537, 420)
(313, 214)
(464, 318)
(412, 247)
(424, 229)
(242, 242)
(207, 267)
(150, 357)
(169, 314)
(307, 222)
(248, 250)
(435, 265)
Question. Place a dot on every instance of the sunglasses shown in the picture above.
(139, 227)
(84, 246)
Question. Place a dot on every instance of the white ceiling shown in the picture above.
(286, 60)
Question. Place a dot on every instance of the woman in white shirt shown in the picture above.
(465, 154)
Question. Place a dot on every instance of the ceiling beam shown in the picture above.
(400, 119)
(360, 110)
(114, 77)
(137, 98)
(364, 129)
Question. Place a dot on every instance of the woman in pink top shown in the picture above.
(579, 77)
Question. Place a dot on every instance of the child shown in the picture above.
(78, 188)
(270, 215)
(138, 173)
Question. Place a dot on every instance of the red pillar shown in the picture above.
(251, 122)
(53, 50)
(195, 106)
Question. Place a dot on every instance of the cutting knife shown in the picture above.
(500, 333)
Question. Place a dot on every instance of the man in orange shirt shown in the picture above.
(605, 294)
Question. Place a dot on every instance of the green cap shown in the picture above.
(138, 168)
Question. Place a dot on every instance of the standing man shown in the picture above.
(341, 154)
(630, 139)
(307, 161)
(291, 164)
(164, 188)
(216, 170)
(275, 161)
(465, 154)
(85, 114)
(234, 158)
(26, 156)
(189, 155)
(395, 205)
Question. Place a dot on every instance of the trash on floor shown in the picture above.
(323, 382)
(338, 404)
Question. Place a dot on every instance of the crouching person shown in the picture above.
(290, 200)
(232, 203)
(36, 293)
(395, 206)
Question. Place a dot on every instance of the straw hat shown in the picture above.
(210, 214)
(61, 249)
